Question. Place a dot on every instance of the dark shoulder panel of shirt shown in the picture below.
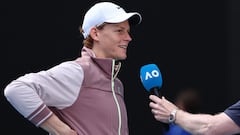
(234, 112)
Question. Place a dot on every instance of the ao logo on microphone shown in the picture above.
(150, 76)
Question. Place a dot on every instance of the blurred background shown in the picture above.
(194, 43)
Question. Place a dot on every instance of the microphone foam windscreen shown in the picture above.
(151, 76)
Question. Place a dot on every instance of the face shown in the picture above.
(112, 40)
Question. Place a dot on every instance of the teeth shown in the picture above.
(123, 47)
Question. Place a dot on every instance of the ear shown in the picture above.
(94, 33)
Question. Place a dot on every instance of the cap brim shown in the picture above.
(134, 18)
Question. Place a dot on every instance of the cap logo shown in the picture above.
(118, 7)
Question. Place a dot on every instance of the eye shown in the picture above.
(119, 30)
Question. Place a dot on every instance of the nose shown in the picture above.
(128, 37)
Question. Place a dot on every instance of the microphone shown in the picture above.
(151, 78)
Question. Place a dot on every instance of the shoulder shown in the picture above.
(233, 112)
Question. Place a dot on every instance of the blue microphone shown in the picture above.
(151, 78)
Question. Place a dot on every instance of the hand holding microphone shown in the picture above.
(151, 78)
(152, 81)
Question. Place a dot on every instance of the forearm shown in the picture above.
(199, 124)
(55, 126)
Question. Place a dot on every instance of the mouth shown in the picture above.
(123, 46)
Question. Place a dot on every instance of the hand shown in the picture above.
(66, 131)
(161, 108)
(55, 126)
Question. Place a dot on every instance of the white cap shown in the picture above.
(107, 12)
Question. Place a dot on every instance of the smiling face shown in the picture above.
(111, 41)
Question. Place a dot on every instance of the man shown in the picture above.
(224, 123)
(83, 96)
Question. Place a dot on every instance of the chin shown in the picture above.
(122, 58)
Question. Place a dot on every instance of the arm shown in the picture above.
(200, 124)
(32, 93)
